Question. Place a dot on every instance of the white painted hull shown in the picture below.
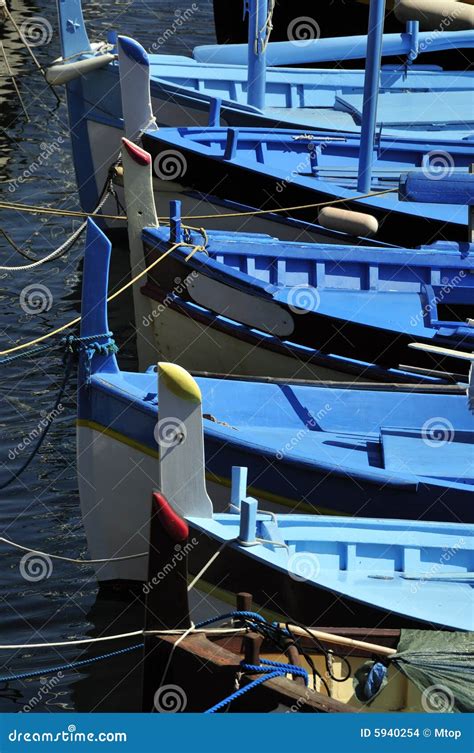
(115, 487)
(180, 339)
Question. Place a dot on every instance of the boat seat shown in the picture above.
(438, 451)
(396, 109)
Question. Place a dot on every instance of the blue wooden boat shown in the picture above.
(244, 303)
(376, 569)
(381, 452)
(425, 98)
(212, 169)
(95, 108)
(334, 18)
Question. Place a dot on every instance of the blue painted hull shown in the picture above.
(358, 303)
(315, 448)
(287, 169)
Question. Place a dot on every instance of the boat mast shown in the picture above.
(371, 91)
(257, 53)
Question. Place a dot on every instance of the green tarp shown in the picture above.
(441, 665)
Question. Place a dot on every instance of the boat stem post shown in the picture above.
(238, 488)
(371, 89)
(257, 55)
(215, 112)
(112, 37)
(176, 232)
(248, 521)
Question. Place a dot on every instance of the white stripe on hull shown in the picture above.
(181, 339)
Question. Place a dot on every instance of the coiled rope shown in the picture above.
(270, 670)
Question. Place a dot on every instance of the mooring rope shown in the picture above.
(69, 665)
(71, 559)
(73, 322)
(165, 218)
(107, 191)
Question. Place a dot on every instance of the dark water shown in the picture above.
(41, 509)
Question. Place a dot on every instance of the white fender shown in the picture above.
(180, 436)
(446, 15)
(345, 221)
(60, 73)
(135, 88)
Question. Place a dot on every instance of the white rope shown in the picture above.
(82, 642)
(63, 247)
(70, 559)
(133, 634)
(208, 564)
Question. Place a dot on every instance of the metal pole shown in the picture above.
(371, 90)
(257, 56)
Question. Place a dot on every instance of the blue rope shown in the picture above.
(70, 665)
(69, 341)
(16, 475)
(270, 670)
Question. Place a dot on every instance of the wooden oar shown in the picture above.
(341, 640)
